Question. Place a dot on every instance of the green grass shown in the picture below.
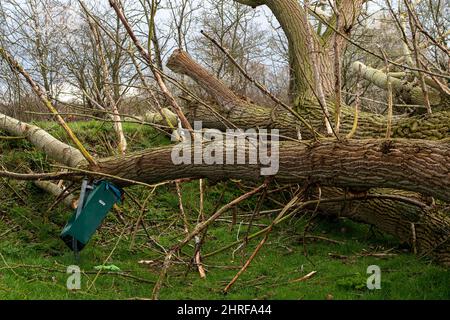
(33, 259)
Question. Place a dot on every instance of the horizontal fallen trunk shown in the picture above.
(181, 63)
(424, 227)
(433, 126)
(413, 165)
(360, 164)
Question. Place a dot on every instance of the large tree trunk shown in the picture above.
(294, 21)
(425, 228)
(413, 165)
(356, 165)
(433, 126)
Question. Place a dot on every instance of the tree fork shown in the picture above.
(247, 115)
(293, 20)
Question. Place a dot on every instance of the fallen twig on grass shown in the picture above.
(368, 254)
(245, 266)
(322, 238)
(305, 277)
(291, 203)
(338, 256)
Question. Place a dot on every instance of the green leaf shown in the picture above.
(109, 267)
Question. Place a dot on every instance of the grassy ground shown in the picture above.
(33, 260)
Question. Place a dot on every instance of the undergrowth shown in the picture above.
(34, 260)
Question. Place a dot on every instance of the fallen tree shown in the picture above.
(412, 165)
(414, 158)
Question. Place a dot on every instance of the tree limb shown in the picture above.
(180, 62)
(44, 141)
(408, 92)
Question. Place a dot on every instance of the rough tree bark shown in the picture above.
(293, 19)
(361, 164)
(414, 165)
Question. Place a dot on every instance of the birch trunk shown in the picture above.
(55, 149)
(409, 92)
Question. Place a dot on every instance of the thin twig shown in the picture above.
(389, 97)
(200, 239)
(180, 205)
(153, 68)
(247, 263)
(305, 277)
